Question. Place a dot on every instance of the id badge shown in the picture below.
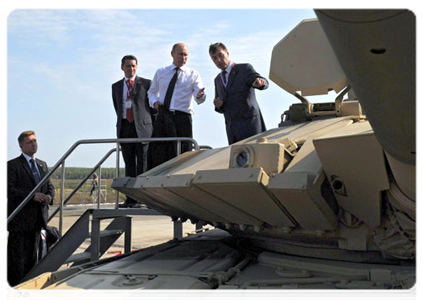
(128, 104)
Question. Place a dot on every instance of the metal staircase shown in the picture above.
(88, 225)
(101, 240)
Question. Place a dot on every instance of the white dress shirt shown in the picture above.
(125, 94)
(228, 71)
(28, 158)
(187, 86)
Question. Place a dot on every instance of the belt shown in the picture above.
(174, 112)
(178, 112)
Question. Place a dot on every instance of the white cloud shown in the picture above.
(39, 25)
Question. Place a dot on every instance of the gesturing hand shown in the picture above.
(200, 93)
(259, 82)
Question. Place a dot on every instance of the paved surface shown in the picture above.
(146, 230)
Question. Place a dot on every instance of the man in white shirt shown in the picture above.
(171, 93)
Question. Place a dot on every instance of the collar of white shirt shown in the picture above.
(229, 67)
(28, 158)
(132, 78)
(173, 67)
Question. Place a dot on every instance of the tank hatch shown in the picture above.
(304, 61)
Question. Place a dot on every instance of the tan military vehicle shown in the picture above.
(326, 200)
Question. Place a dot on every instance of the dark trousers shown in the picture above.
(183, 126)
(22, 251)
(134, 154)
(170, 124)
(241, 128)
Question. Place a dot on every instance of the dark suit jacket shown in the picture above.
(20, 182)
(239, 99)
(140, 106)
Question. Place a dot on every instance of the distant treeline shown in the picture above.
(80, 173)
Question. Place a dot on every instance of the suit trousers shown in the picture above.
(134, 154)
(169, 124)
(22, 253)
(250, 126)
(183, 125)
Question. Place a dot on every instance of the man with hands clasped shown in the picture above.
(134, 119)
(23, 174)
(235, 96)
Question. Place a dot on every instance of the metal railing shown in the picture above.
(61, 162)
(76, 189)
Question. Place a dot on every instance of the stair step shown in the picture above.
(86, 255)
(109, 232)
(78, 257)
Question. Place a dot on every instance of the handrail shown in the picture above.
(83, 181)
(97, 141)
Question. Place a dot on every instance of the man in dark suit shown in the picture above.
(131, 104)
(23, 174)
(235, 96)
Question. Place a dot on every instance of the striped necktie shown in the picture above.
(129, 111)
(35, 171)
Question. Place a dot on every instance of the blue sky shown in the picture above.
(61, 64)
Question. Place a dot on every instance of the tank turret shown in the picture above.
(322, 179)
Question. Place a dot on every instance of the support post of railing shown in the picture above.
(99, 187)
(177, 230)
(62, 197)
(117, 173)
(128, 235)
(95, 239)
(178, 148)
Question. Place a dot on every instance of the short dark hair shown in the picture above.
(129, 57)
(213, 47)
(180, 44)
(25, 134)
